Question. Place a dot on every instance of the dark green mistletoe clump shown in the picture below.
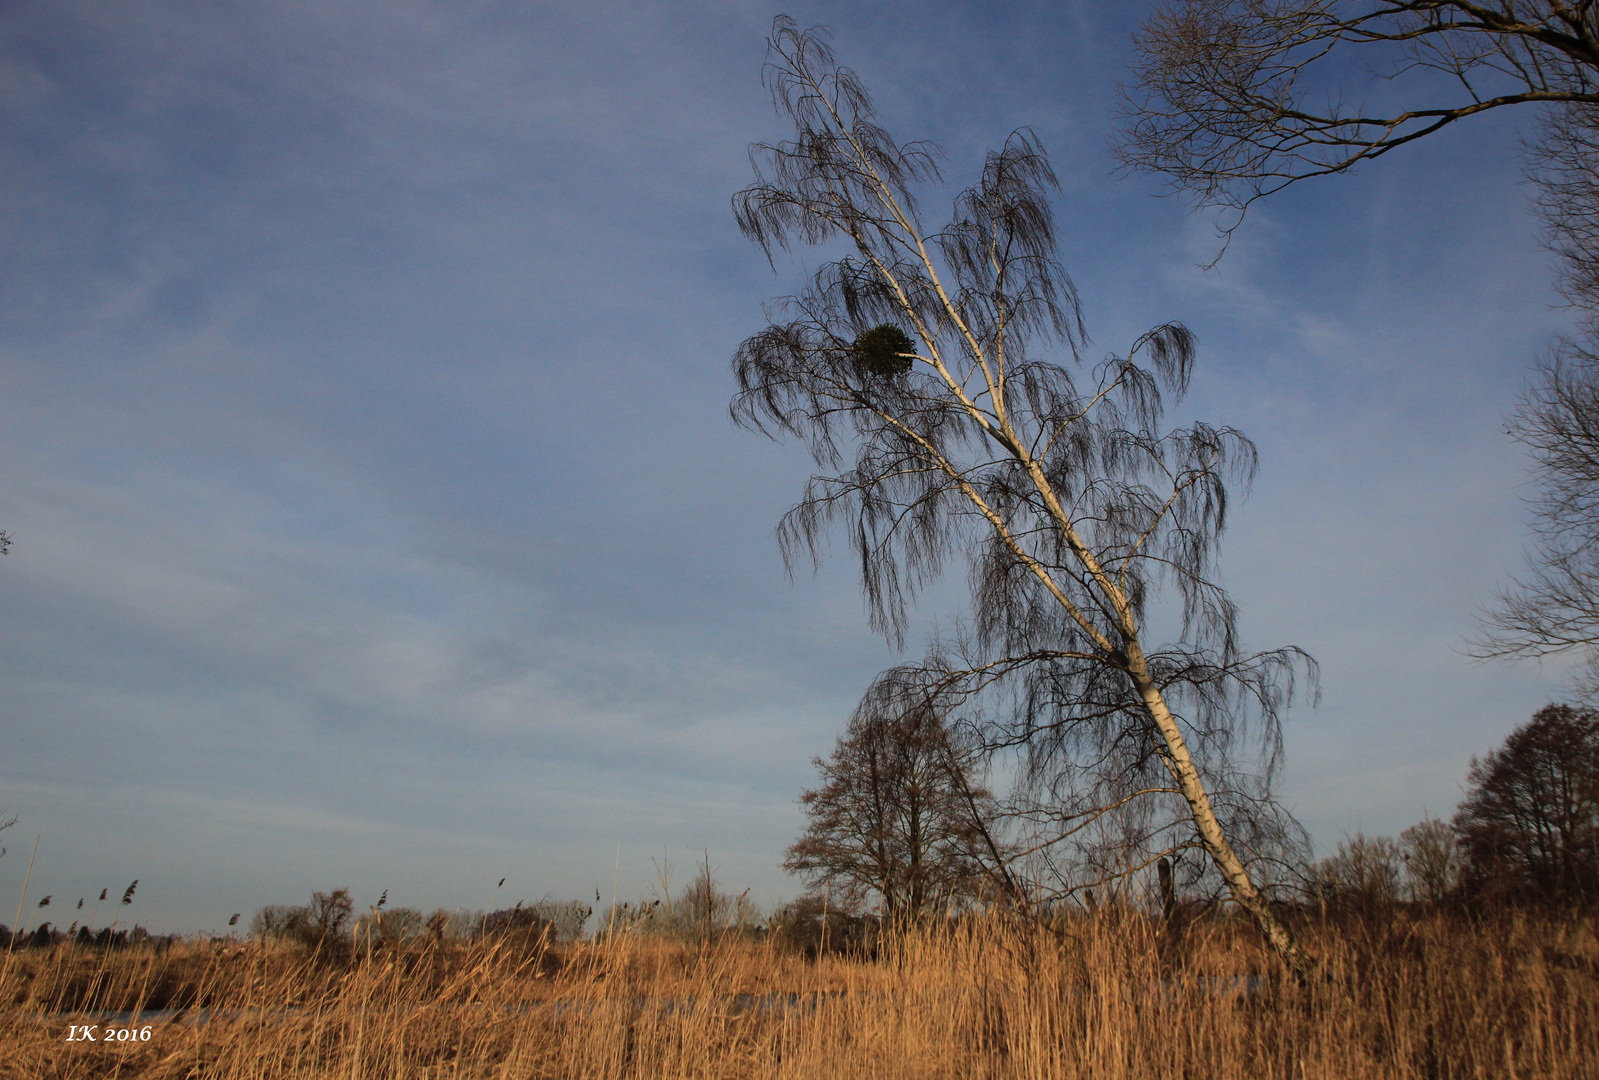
(881, 351)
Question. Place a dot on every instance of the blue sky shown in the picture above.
(378, 521)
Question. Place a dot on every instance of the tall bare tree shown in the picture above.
(1529, 826)
(912, 367)
(902, 814)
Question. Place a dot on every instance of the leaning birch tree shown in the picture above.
(914, 368)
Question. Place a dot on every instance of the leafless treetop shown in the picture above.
(1236, 99)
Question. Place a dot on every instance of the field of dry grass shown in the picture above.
(1403, 996)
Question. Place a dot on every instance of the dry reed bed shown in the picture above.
(1403, 996)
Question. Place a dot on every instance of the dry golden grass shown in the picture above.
(1416, 996)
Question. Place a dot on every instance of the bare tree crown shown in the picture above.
(1233, 100)
(1530, 821)
(901, 815)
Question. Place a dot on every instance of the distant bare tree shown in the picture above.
(329, 913)
(700, 911)
(1431, 856)
(1362, 875)
(916, 354)
(322, 922)
(900, 814)
(389, 927)
(703, 910)
(1530, 824)
(1370, 873)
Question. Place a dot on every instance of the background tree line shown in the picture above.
(902, 826)
(1527, 831)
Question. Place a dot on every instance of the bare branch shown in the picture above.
(1222, 90)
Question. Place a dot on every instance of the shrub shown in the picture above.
(814, 924)
(319, 924)
(518, 926)
(881, 351)
(389, 927)
(1432, 862)
(1363, 875)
